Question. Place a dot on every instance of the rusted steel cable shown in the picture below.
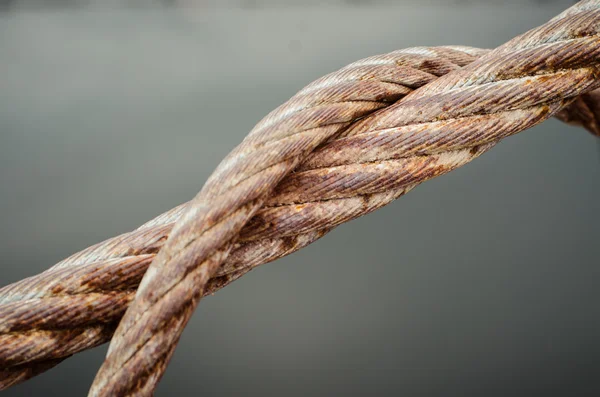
(584, 112)
(107, 274)
(110, 272)
(454, 118)
(288, 215)
(202, 238)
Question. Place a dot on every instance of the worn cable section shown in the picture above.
(54, 302)
(536, 74)
(368, 165)
(107, 274)
(202, 238)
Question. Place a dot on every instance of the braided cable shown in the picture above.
(535, 74)
(110, 271)
(357, 172)
(202, 238)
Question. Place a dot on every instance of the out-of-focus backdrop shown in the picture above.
(484, 281)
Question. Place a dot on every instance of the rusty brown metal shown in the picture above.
(368, 164)
(115, 267)
(583, 112)
(536, 74)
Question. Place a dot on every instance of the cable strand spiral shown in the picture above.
(537, 73)
(354, 145)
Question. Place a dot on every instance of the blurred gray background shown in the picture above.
(483, 281)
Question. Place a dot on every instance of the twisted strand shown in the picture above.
(538, 73)
(202, 238)
(583, 112)
(117, 275)
(117, 265)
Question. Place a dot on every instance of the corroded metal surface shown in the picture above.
(363, 166)
(115, 267)
(537, 73)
